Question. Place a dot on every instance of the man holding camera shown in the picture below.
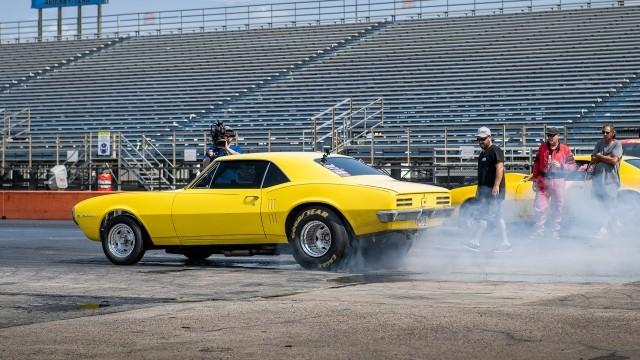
(222, 137)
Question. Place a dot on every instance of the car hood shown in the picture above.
(388, 183)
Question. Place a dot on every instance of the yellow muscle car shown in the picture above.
(519, 193)
(322, 208)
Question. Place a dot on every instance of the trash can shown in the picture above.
(59, 178)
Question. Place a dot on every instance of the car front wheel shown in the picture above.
(122, 240)
(319, 239)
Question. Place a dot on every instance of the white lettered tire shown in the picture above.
(319, 239)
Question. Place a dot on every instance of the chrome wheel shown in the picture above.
(315, 239)
(121, 240)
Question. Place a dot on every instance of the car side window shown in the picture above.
(274, 176)
(239, 174)
(205, 180)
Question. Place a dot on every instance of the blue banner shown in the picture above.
(41, 4)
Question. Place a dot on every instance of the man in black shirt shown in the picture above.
(490, 193)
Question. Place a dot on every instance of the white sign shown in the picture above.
(466, 152)
(190, 155)
(104, 143)
(72, 156)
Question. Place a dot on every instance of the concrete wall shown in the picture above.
(41, 205)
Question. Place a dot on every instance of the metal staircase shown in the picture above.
(146, 164)
(342, 127)
(16, 125)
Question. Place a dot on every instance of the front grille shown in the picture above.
(400, 202)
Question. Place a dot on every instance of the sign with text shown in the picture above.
(190, 155)
(467, 152)
(42, 4)
(104, 143)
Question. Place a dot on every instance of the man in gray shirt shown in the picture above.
(605, 160)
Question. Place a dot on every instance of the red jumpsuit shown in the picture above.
(549, 181)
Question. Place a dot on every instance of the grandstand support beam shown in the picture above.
(4, 147)
(57, 149)
(314, 137)
(446, 140)
(79, 23)
(39, 24)
(30, 142)
(372, 152)
(173, 169)
(90, 160)
(409, 147)
(333, 128)
(59, 23)
(119, 150)
(504, 135)
(99, 22)
(269, 141)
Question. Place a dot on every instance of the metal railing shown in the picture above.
(16, 125)
(285, 14)
(147, 164)
(344, 125)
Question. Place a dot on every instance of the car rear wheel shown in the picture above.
(319, 239)
(386, 251)
(122, 240)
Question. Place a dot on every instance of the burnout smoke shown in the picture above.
(577, 256)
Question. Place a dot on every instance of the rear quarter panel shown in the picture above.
(358, 205)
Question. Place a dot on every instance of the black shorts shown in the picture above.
(489, 208)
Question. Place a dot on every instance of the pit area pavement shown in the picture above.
(61, 299)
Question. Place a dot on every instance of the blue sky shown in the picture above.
(14, 10)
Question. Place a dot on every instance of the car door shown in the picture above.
(223, 206)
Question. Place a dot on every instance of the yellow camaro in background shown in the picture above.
(324, 207)
(519, 193)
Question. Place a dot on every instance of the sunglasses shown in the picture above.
(606, 132)
(551, 135)
(479, 139)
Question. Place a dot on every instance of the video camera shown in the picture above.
(218, 133)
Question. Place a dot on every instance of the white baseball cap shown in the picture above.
(483, 132)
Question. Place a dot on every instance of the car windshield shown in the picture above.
(631, 149)
(634, 162)
(346, 166)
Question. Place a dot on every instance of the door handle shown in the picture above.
(251, 200)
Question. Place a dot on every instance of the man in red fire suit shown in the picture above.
(550, 166)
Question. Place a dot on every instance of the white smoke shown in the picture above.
(579, 255)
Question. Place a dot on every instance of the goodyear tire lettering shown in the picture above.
(338, 252)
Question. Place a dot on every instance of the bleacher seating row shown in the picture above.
(573, 68)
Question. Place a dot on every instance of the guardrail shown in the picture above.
(286, 14)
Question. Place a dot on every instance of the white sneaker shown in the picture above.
(472, 245)
(536, 235)
(504, 247)
(603, 233)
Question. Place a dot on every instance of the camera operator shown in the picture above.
(222, 137)
(224, 147)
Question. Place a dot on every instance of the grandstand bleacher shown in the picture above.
(518, 72)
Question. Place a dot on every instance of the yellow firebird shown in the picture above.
(323, 208)
(519, 193)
